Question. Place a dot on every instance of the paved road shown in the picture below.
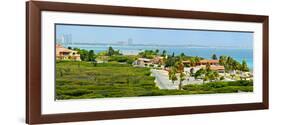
(162, 79)
(163, 82)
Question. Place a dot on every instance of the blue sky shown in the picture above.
(101, 34)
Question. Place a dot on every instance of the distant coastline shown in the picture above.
(156, 45)
(205, 52)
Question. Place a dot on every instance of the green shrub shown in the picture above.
(112, 79)
(241, 83)
(122, 58)
(77, 92)
(220, 87)
(216, 84)
(228, 89)
(147, 73)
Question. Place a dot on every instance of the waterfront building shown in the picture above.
(66, 54)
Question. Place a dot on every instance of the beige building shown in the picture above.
(142, 62)
(66, 54)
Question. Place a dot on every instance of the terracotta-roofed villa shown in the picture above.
(203, 62)
(66, 54)
(214, 64)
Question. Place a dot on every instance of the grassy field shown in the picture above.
(84, 80)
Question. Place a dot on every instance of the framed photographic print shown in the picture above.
(94, 62)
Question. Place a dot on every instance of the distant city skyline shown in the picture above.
(146, 36)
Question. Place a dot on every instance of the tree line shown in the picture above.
(89, 55)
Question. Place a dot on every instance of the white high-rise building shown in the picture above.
(130, 41)
(66, 39)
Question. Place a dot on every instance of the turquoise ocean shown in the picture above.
(237, 53)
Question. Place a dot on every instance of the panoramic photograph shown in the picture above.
(112, 61)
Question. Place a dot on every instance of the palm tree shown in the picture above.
(216, 75)
(199, 73)
(244, 66)
(206, 78)
(110, 51)
(232, 75)
(191, 72)
(182, 78)
(197, 59)
(174, 77)
(222, 60)
(164, 52)
(236, 65)
(214, 57)
(212, 75)
(182, 55)
(91, 55)
(208, 67)
(194, 61)
(156, 51)
(179, 66)
(172, 74)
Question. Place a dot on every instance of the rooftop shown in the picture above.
(203, 61)
(60, 48)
